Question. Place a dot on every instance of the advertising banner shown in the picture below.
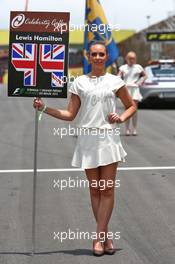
(38, 54)
(161, 36)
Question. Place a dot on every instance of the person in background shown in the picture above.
(133, 75)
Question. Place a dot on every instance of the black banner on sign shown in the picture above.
(38, 54)
(160, 36)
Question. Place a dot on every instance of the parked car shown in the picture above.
(160, 83)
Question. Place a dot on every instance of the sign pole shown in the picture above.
(34, 181)
(26, 5)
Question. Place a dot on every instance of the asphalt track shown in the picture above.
(144, 211)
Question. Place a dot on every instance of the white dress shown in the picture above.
(131, 76)
(98, 141)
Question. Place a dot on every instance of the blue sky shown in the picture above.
(128, 14)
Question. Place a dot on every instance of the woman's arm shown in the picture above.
(69, 114)
(129, 104)
(144, 76)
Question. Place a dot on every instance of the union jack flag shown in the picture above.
(24, 58)
(52, 60)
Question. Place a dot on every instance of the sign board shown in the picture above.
(38, 54)
(160, 36)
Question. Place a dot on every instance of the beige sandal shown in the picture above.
(98, 248)
(109, 250)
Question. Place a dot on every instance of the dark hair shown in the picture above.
(98, 42)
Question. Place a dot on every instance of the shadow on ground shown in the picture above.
(75, 252)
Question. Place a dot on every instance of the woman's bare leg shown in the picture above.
(135, 120)
(127, 127)
(106, 204)
(93, 176)
(102, 196)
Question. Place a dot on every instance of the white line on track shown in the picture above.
(79, 169)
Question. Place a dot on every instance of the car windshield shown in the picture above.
(166, 70)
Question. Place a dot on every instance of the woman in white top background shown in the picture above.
(133, 75)
(98, 150)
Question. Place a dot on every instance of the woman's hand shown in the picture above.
(114, 118)
(38, 103)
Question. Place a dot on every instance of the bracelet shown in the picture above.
(41, 112)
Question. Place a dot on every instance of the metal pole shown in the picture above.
(148, 20)
(34, 181)
(26, 5)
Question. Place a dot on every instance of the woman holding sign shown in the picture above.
(98, 149)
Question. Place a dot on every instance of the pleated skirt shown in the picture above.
(135, 93)
(98, 149)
